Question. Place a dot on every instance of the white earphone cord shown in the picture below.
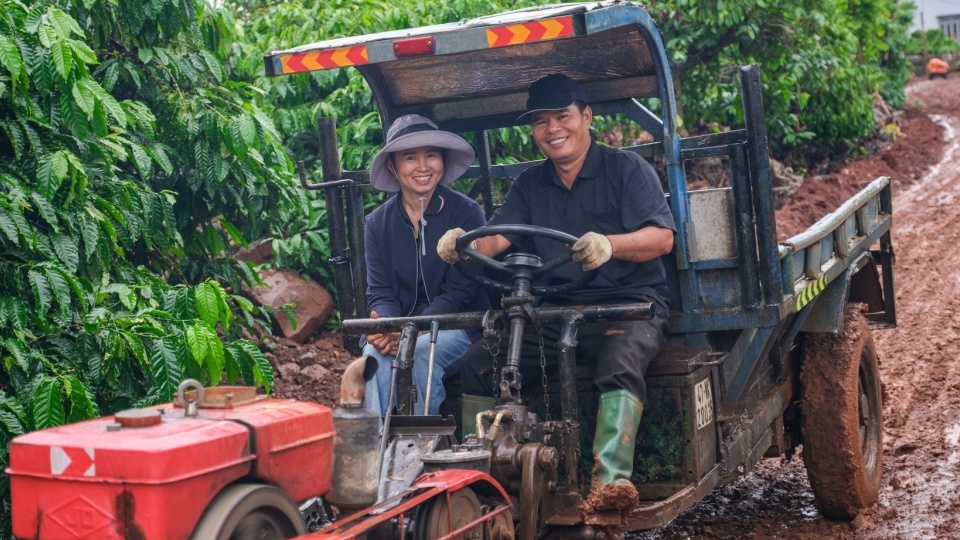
(423, 227)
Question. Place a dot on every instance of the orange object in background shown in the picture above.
(937, 66)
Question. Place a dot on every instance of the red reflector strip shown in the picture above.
(414, 46)
(516, 34)
(325, 59)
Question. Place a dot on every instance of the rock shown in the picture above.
(312, 303)
(326, 346)
(315, 372)
(330, 361)
(711, 172)
(259, 252)
(309, 358)
(881, 111)
(289, 371)
(895, 482)
(861, 522)
(784, 181)
(783, 176)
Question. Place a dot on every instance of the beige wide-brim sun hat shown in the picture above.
(413, 131)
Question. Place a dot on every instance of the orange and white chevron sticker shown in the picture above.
(515, 34)
(325, 59)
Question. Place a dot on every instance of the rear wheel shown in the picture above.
(250, 512)
(841, 410)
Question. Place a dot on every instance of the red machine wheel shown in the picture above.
(250, 512)
(499, 528)
(842, 418)
(435, 522)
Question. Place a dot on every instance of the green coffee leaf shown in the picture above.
(48, 404)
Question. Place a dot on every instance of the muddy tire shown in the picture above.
(841, 417)
(250, 512)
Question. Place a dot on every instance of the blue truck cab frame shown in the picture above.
(729, 388)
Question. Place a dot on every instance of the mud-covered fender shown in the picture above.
(859, 283)
(424, 488)
(454, 479)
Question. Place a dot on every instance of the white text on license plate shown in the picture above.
(704, 403)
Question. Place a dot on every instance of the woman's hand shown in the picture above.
(387, 344)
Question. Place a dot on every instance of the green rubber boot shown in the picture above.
(470, 407)
(618, 418)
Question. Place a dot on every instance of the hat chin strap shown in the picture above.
(423, 207)
(423, 226)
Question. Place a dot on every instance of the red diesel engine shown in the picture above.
(214, 464)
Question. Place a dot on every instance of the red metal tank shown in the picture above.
(294, 443)
(100, 480)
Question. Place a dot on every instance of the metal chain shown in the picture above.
(494, 350)
(543, 378)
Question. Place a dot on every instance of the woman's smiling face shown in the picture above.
(419, 170)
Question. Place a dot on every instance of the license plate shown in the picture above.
(703, 398)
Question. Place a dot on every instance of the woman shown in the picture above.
(405, 276)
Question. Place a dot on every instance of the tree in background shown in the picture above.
(821, 61)
(937, 43)
(128, 163)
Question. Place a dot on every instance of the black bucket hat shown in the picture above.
(552, 93)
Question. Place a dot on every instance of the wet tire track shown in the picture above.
(920, 365)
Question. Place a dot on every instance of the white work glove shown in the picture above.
(447, 246)
(592, 249)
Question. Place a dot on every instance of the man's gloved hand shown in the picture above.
(447, 246)
(592, 249)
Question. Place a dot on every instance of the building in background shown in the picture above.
(950, 24)
(942, 14)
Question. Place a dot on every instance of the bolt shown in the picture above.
(549, 458)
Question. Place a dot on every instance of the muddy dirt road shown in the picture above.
(920, 366)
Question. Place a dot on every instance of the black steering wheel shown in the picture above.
(520, 264)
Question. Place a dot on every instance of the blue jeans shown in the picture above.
(451, 344)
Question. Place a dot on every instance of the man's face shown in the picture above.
(563, 135)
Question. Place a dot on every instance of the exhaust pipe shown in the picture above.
(354, 381)
(356, 475)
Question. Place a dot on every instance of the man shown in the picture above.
(613, 202)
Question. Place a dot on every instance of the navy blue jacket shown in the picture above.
(396, 261)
